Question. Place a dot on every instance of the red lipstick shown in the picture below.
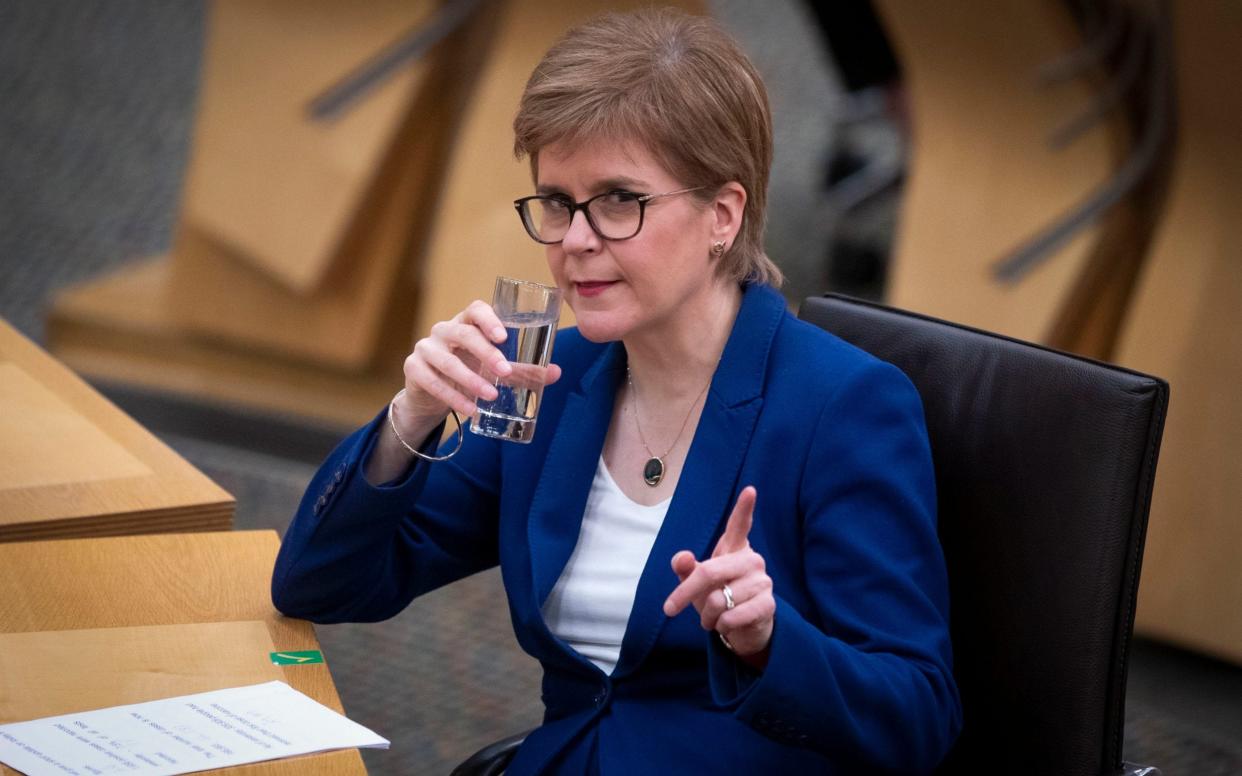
(593, 287)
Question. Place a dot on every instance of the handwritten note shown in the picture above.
(181, 735)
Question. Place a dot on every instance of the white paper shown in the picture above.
(182, 735)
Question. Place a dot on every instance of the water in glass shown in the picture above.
(528, 349)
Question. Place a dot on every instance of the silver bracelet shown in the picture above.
(461, 437)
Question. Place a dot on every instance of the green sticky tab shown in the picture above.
(297, 658)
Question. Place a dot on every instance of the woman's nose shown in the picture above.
(580, 238)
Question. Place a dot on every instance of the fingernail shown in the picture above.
(503, 368)
(668, 608)
(499, 334)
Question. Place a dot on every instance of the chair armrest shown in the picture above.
(494, 758)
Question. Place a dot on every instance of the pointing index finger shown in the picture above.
(737, 530)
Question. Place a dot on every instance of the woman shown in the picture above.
(721, 545)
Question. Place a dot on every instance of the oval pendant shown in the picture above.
(653, 472)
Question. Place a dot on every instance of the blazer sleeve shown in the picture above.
(864, 673)
(356, 552)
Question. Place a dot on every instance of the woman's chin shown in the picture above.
(598, 335)
(597, 328)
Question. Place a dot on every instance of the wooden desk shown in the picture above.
(73, 465)
(165, 594)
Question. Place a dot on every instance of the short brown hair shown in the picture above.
(678, 84)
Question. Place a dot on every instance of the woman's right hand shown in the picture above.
(451, 368)
(445, 370)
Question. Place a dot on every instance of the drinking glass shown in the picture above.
(529, 312)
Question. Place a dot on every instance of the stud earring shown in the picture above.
(718, 248)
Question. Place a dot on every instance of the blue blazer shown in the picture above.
(859, 677)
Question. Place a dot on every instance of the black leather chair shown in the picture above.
(1044, 468)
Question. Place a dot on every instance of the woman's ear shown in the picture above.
(728, 207)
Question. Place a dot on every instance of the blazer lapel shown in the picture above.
(555, 518)
(708, 486)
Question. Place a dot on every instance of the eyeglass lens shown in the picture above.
(614, 215)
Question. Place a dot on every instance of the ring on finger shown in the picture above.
(728, 597)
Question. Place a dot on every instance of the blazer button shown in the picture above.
(599, 699)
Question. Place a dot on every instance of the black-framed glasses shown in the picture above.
(613, 215)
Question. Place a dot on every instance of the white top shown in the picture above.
(590, 605)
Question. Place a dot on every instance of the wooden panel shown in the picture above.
(1183, 326)
(173, 580)
(120, 329)
(69, 453)
(46, 673)
(277, 187)
(477, 235)
(982, 177)
(47, 442)
(216, 292)
(110, 525)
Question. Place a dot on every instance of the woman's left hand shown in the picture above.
(747, 626)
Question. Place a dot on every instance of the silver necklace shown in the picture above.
(654, 468)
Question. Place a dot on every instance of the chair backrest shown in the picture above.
(1044, 469)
